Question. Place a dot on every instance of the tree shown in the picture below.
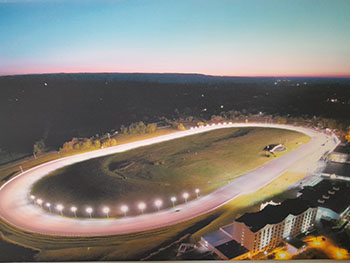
(151, 128)
(109, 143)
(97, 144)
(124, 130)
(86, 144)
(39, 147)
(180, 127)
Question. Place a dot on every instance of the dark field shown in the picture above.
(205, 161)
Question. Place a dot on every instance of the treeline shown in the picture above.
(104, 141)
(87, 144)
(139, 128)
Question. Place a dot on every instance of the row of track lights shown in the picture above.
(213, 124)
(124, 208)
(106, 210)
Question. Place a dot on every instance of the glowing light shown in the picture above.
(124, 209)
(185, 196)
(106, 210)
(316, 243)
(173, 200)
(32, 197)
(158, 203)
(281, 255)
(73, 209)
(197, 192)
(89, 211)
(60, 208)
(39, 201)
(141, 206)
(48, 205)
(341, 253)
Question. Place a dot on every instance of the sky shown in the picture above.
(215, 37)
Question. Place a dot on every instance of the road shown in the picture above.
(18, 210)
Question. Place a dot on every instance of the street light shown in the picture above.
(48, 205)
(142, 206)
(185, 196)
(39, 201)
(197, 192)
(124, 209)
(173, 200)
(158, 203)
(74, 210)
(89, 211)
(33, 198)
(60, 207)
(106, 210)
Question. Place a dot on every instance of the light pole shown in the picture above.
(158, 203)
(185, 196)
(48, 205)
(173, 200)
(74, 210)
(40, 202)
(89, 211)
(142, 207)
(197, 192)
(106, 210)
(60, 207)
(124, 209)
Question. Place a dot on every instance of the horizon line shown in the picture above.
(190, 73)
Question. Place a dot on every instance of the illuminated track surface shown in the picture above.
(17, 209)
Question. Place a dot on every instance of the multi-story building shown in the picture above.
(268, 227)
(264, 229)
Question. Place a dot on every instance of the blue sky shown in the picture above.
(220, 37)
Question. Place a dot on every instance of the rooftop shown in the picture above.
(232, 249)
(217, 238)
(274, 214)
(342, 169)
(333, 193)
(296, 242)
(343, 149)
(228, 229)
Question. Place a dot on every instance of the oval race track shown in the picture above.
(17, 209)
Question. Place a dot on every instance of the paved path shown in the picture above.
(17, 209)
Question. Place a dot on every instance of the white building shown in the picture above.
(268, 227)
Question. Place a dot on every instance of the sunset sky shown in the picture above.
(217, 37)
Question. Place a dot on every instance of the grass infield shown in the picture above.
(205, 161)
